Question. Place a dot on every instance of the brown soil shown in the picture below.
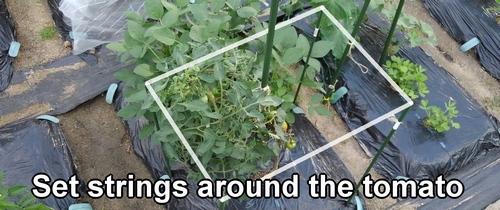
(99, 142)
(424, 123)
(94, 133)
(29, 19)
(101, 146)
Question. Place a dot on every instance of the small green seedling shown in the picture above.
(47, 32)
(440, 120)
(26, 202)
(409, 76)
(494, 8)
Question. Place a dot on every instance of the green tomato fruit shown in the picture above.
(204, 99)
(216, 93)
(291, 143)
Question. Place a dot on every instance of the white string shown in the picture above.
(361, 66)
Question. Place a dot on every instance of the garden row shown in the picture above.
(242, 130)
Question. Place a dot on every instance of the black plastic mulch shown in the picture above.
(464, 20)
(30, 147)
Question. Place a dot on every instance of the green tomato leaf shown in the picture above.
(134, 16)
(135, 30)
(265, 151)
(170, 18)
(238, 152)
(213, 115)
(205, 158)
(146, 131)
(340, 41)
(128, 76)
(219, 71)
(220, 147)
(138, 96)
(207, 77)
(143, 70)
(246, 12)
(288, 97)
(194, 106)
(303, 44)
(290, 39)
(234, 4)
(196, 33)
(247, 168)
(269, 100)
(291, 56)
(199, 52)
(137, 51)
(169, 6)
(313, 62)
(290, 118)
(208, 141)
(164, 35)
(281, 91)
(292, 80)
(154, 9)
(170, 152)
(199, 12)
(321, 48)
(256, 114)
(116, 47)
(128, 112)
(309, 83)
(212, 30)
(217, 5)
(316, 98)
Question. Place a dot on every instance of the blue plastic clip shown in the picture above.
(14, 49)
(80, 206)
(298, 110)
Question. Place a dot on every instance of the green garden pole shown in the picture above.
(391, 32)
(306, 65)
(379, 152)
(269, 42)
(348, 47)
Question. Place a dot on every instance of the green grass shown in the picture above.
(47, 32)
(493, 103)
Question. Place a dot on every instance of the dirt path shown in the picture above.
(101, 146)
(94, 132)
(30, 17)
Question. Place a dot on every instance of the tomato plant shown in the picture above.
(232, 124)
